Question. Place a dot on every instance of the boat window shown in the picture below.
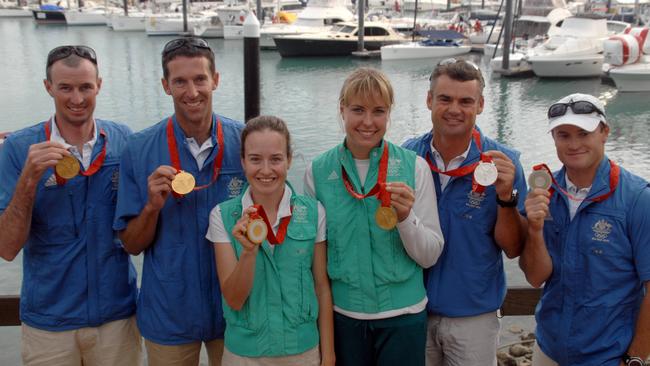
(330, 21)
(375, 31)
(346, 29)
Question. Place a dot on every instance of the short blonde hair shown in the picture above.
(367, 83)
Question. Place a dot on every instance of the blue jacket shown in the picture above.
(180, 300)
(601, 259)
(471, 259)
(75, 272)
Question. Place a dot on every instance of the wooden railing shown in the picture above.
(519, 301)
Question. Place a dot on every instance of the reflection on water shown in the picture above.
(304, 92)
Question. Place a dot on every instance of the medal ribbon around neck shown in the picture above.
(467, 169)
(379, 188)
(176, 160)
(282, 229)
(94, 166)
(614, 176)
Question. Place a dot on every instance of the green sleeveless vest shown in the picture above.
(369, 268)
(279, 316)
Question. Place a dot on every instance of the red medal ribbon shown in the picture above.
(614, 176)
(176, 160)
(467, 169)
(282, 229)
(94, 165)
(379, 188)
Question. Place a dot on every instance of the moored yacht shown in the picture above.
(340, 40)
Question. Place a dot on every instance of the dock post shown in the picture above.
(251, 67)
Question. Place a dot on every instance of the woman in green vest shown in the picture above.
(382, 229)
(271, 255)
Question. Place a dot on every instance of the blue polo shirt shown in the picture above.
(180, 299)
(601, 260)
(468, 278)
(75, 272)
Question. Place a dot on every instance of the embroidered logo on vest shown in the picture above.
(601, 230)
(299, 214)
(51, 181)
(333, 176)
(394, 167)
(235, 186)
(474, 199)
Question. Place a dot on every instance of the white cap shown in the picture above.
(587, 122)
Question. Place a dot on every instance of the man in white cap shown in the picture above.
(588, 244)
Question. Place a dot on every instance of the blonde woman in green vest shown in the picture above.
(382, 229)
(277, 300)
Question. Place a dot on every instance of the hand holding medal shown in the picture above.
(183, 182)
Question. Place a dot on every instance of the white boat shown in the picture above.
(86, 16)
(171, 24)
(135, 21)
(212, 28)
(318, 16)
(576, 51)
(232, 15)
(13, 9)
(632, 78)
(341, 40)
(438, 44)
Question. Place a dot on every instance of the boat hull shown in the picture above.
(631, 78)
(49, 16)
(416, 51)
(567, 67)
(301, 47)
(14, 13)
(74, 17)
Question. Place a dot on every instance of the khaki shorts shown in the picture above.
(183, 354)
(540, 358)
(307, 358)
(115, 343)
(466, 341)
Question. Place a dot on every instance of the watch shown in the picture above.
(514, 199)
(633, 360)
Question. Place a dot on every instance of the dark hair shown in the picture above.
(70, 61)
(263, 123)
(459, 70)
(187, 50)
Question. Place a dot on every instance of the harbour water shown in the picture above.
(304, 92)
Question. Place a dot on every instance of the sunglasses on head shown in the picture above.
(177, 43)
(579, 107)
(62, 52)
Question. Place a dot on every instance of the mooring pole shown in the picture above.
(251, 67)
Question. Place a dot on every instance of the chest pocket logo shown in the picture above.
(601, 230)
(299, 214)
(474, 199)
(394, 167)
(234, 187)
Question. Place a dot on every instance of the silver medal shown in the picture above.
(539, 179)
(485, 173)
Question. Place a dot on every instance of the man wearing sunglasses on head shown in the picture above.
(588, 244)
(476, 181)
(57, 200)
(172, 175)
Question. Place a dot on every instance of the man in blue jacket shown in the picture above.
(158, 212)
(57, 200)
(477, 182)
(588, 244)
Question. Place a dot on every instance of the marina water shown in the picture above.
(304, 92)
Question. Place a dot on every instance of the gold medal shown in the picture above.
(540, 179)
(256, 231)
(68, 167)
(386, 218)
(183, 183)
